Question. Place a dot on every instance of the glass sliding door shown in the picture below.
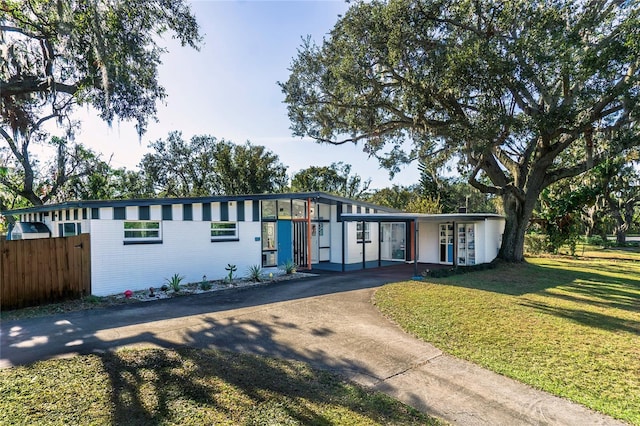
(392, 241)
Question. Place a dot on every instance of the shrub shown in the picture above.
(289, 267)
(596, 240)
(231, 268)
(91, 299)
(535, 244)
(205, 284)
(447, 272)
(174, 282)
(255, 273)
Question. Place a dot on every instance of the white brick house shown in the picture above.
(136, 244)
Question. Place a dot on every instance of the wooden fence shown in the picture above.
(35, 272)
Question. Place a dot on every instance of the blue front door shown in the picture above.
(285, 241)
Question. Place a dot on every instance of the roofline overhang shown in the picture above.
(419, 217)
(317, 195)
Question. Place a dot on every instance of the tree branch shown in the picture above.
(12, 145)
(29, 84)
(473, 181)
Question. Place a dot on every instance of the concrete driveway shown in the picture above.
(327, 321)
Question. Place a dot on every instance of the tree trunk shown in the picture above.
(518, 214)
(621, 225)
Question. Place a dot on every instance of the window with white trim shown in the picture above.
(69, 229)
(224, 231)
(142, 231)
(363, 229)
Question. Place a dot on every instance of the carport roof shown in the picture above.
(420, 217)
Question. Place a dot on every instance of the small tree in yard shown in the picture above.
(522, 94)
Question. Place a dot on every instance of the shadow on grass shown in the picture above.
(160, 386)
(613, 294)
(586, 286)
(588, 318)
(519, 279)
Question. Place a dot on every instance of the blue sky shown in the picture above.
(228, 89)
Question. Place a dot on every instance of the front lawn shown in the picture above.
(570, 327)
(189, 387)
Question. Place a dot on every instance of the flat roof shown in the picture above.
(318, 196)
(421, 217)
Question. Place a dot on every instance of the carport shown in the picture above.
(456, 239)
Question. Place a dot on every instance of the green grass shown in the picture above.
(189, 387)
(570, 327)
(591, 251)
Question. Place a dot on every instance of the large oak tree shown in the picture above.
(56, 55)
(521, 93)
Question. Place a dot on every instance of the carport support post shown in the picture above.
(455, 245)
(309, 233)
(415, 247)
(343, 246)
(364, 248)
(379, 243)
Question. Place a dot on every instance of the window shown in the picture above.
(256, 211)
(269, 244)
(206, 212)
(269, 209)
(69, 229)
(284, 209)
(119, 213)
(187, 212)
(224, 231)
(363, 229)
(142, 232)
(224, 211)
(268, 236)
(167, 212)
(299, 209)
(144, 213)
(240, 210)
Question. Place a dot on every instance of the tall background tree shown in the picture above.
(208, 166)
(57, 55)
(521, 94)
(620, 183)
(335, 179)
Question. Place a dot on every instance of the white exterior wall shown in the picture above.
(372, 249)
(492, 238)
(488, 237)
(155, 213)
(428, 242)
(353, 253)
(186, 249)
(353, 249)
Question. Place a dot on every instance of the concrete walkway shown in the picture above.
(327, 321)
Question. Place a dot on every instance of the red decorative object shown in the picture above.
(128, 293)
